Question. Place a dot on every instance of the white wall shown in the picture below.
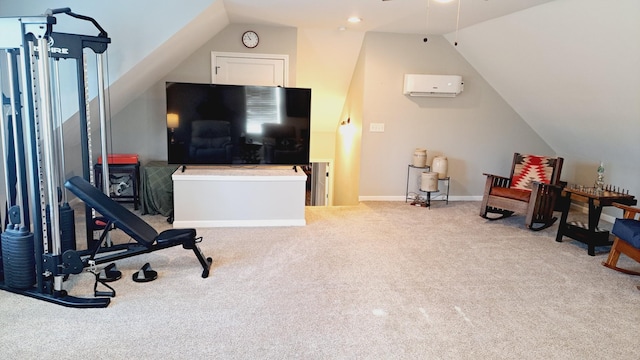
(326, 61)
(348, 145)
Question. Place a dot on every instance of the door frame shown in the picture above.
(328, 186)
(284, 57)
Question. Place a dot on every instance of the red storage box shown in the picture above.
(114, 159)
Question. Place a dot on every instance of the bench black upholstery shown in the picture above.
(147, 238)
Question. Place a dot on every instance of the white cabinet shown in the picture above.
(225, 197)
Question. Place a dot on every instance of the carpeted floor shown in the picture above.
(381, 280)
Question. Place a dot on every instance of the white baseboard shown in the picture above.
(402, 198)
(237, 223)
(585, 210)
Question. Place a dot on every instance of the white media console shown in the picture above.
(226, 197)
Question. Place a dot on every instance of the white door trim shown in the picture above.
(283, 57)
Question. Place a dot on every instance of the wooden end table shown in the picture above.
(590, 233)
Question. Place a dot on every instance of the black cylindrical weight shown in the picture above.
(18, 258)
(68, 228)
(1, 263)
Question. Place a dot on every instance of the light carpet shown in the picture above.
(380, 280)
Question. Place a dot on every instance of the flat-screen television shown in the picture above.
(213, 124)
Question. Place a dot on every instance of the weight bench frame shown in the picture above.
(147, 238)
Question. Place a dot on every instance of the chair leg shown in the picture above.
(614, 255)
(485, 197)
(483, 211)
(619, 246)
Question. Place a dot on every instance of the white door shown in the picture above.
(320, 184)
(249, 69)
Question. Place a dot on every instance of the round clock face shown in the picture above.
(250, 39)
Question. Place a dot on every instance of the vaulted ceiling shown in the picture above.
(569, 68)
(395, 16)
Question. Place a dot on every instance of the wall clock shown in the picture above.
(250, 39)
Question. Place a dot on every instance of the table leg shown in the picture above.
(594, 215)
(406, 194)
(565, 205)
(594, 218)
(448, 186)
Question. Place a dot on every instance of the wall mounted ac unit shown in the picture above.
(432, 85)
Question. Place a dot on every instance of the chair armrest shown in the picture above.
(558, 187)
(497, 180)
(630, 212)
(543, 188)
(495, 176)
(540, 190)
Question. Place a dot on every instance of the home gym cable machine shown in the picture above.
(38, 243)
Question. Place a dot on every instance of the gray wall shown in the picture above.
(141, 126)
(473, 130)
(477, 130)
(571, 69)
(131, 42)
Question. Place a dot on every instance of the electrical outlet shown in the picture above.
(376, 127)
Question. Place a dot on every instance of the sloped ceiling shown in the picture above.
(395, 16)
(565, 71)
(571, 70)
(147, 40)
(568, 67)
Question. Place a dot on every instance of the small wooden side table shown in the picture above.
(590, 233)
(124, 178)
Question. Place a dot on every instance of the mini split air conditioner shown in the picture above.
(432, 85)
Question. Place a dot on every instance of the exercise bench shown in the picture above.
(146, 237)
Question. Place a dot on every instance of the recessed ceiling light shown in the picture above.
(444, 1)
(354, 19)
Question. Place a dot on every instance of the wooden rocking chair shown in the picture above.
(531, 189)
(627, 239)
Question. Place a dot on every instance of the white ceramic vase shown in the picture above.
(440, 165)
(429, 181)
(420, 157)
